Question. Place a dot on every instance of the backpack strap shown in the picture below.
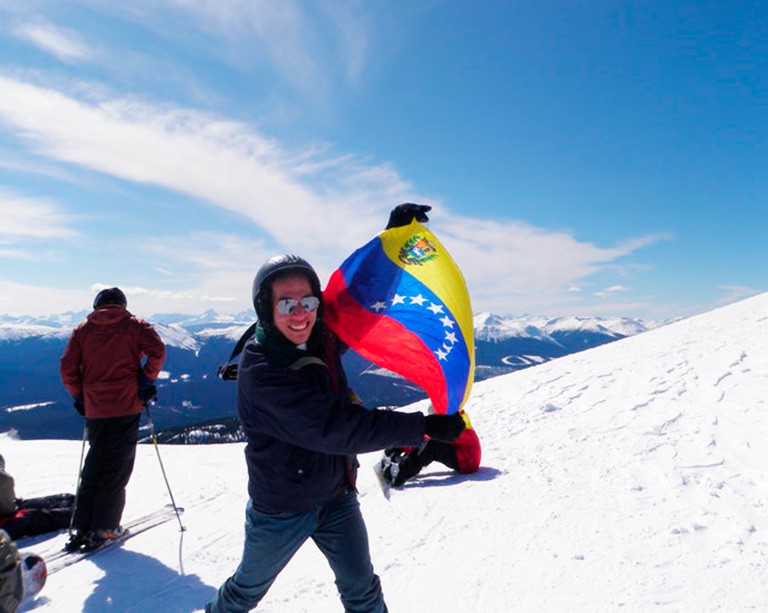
(228, 371)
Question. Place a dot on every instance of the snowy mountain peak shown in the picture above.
(488, 320)
(490, 327)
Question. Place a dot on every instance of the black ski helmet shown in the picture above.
(275, 268)
(112, 295)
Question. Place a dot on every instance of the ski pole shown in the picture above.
(162, 468)
(79, 476)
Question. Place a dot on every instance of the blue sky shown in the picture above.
(597, 158)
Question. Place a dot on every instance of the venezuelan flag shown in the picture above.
(401, 302)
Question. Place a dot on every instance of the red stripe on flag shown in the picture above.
(378, 337)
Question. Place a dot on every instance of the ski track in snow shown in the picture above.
(631, 476)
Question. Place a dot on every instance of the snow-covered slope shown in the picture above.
(632, 477)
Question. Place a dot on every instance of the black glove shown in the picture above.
(227, 372)
(148, 393)
(402, 214)
(79, 403)
(445, 427)
(147, 389)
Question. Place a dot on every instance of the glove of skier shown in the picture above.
(79, 403)
(445, 427)
(148, 393)
(147, 389)
(402, 214)
(227, 372)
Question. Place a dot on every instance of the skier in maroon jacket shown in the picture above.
(102, 370)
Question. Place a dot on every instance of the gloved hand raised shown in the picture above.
(445, 427)
(402, 214)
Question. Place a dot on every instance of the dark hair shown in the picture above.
(112, 295)
(279, 267)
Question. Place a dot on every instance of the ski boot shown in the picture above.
(77, 540)
(97, 538)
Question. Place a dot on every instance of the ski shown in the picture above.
(63, 559)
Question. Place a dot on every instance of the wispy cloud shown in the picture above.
(63, 43)
(25, 217)
(314, 201)
(16, 254)
(44, 299)
(41, 299)
(190, 299)
(226, 163)
(733, 293)
(312, 48)
(199, 268)
(205, 251)
(611, 290)
(354, 33)
(511, 263)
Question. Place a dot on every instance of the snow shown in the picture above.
(28, 407)
(631, 476)
(230, 332)
(174, 335)
(14, 331)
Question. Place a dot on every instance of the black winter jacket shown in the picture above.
(301, 426)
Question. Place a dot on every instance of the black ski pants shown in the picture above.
(106, 472)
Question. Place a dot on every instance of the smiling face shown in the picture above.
(297, 326)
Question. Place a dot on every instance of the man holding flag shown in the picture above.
(303, 428)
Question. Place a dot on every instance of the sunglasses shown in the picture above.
(286, 306)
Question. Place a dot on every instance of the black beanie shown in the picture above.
(112, 295)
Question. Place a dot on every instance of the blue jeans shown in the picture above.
(271, 540)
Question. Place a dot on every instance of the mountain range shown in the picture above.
(35, 404)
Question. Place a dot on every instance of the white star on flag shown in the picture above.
(450, 339)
